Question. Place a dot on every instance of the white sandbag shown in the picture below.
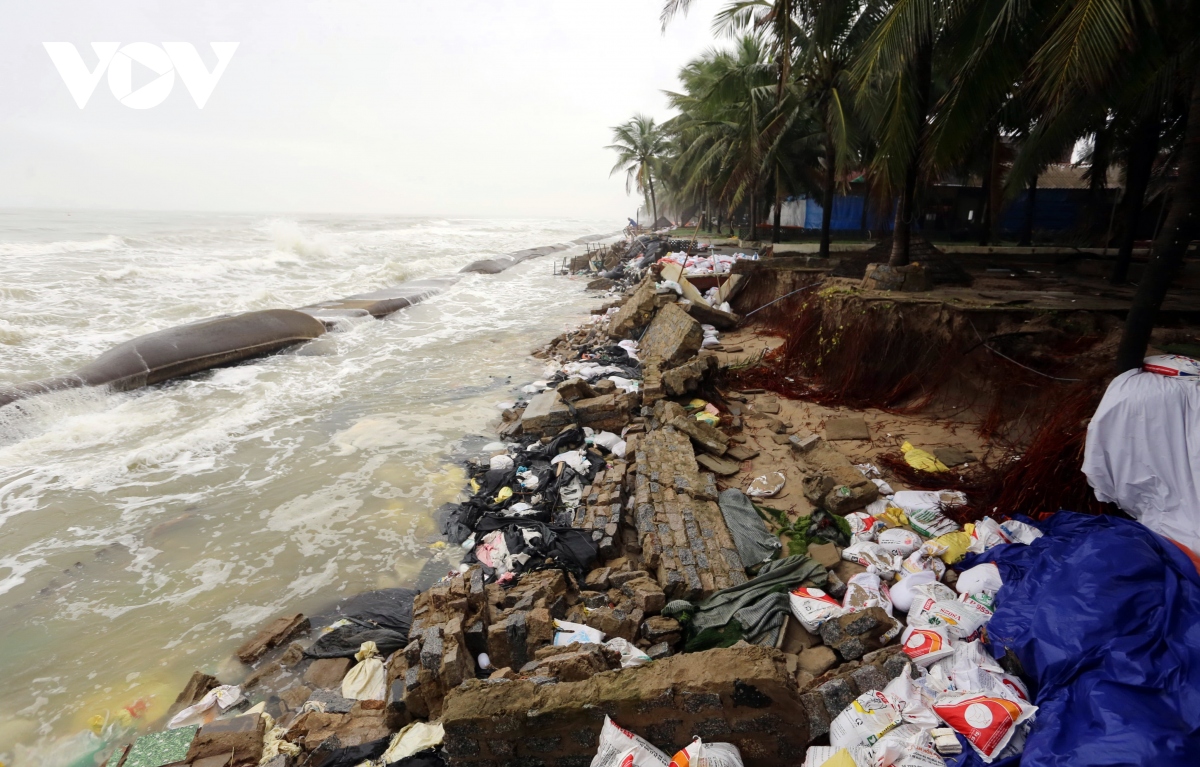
(987, 722)
(501, 462)
(915, 704)
(412, 738)
(701, 754)
(902, 592)
(864, 591)
(208, 708)
(925, 645)
(864, 721)
(610, 442)
(873, 557)
(1020, 532)
(812, 607)
(1143, 452)
(630, 655)
(569, 633)
(863, 526)
(899, 542)
(621, 748)
(367, 680)
(985, 577)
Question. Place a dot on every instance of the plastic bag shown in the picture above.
(630, 655)
(987, 722)
(920, 459)
(367, 680)
(213, 703)
(864, 721)
(864, 591)
(700, 754)
(985, 534)
(504, 462)
(569, 633)
(916, 708)
(621, 748)
(1020, 532)
(899, 542)
(812, 607)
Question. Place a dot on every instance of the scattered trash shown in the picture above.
(921, 460)
(570, 633)
(767, 485)
(214, 702)
(630, 655)
(413, 738)
(621, 748)
(367, 680)
(812, 607)
(864, 721)
(1174, 365)
(986, 722)
(702, 754)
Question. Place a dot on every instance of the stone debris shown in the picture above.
(279, 631)
(481, 654)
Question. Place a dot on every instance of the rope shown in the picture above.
(777, 300)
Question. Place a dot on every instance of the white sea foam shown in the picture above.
(162, 524)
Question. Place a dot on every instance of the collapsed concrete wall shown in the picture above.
(745, 695)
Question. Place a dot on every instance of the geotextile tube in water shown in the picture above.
(183, 350)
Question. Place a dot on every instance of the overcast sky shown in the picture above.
(455, 107)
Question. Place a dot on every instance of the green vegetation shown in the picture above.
(811, 94)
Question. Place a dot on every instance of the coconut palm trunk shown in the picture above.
(1030, 213)
(827, 197)
(987, 214)
(777, 216)
(1143, 151)
(1181, 227)
(906, 210)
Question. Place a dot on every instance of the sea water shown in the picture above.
(146, 534)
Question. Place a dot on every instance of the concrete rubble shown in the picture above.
(490, 653)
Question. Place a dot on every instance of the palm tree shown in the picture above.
(831, 32)
(639, 145)
(726, 106)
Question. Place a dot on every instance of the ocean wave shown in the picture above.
(111, 242)
(290, 237)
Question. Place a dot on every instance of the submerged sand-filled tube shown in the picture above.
(498, 264)
(182, 350)
(380, 303)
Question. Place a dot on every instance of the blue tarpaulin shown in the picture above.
(1104, 616)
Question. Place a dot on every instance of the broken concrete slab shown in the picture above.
(853, 427)
(718, 466)
(708, 437)
(276, 633)
(954, 456)
(673, 337)
(710, 315)
(741, 453)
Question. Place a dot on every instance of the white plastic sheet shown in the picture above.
(1143, 452)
